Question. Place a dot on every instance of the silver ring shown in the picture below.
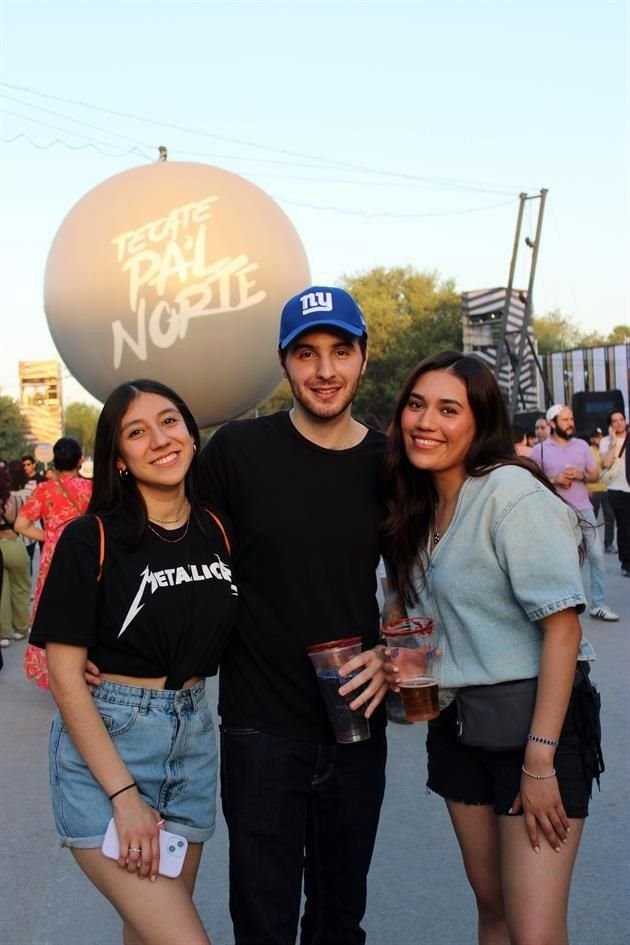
(134, 850)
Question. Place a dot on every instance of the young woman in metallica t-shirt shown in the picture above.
(141, 585)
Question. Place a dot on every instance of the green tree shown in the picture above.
(410, 315)
(590, 339)
(80, 422)
(13, 429)
(556, 332)
(619, 335)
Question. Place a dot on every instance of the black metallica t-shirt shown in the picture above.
(163, 608)
(307, 522)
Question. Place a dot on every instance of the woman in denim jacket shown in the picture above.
(477, 538)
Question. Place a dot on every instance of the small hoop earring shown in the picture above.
(123, 473)
(194, 448)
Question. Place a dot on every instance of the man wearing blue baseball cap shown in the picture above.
(301, 488)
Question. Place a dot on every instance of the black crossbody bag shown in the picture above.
(497, 717)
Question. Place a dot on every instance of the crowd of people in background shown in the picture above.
(598, 486)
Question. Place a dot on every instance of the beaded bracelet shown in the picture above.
(539, 777)
(543, 741)
(127, 788)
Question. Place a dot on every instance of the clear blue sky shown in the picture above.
(469, 102)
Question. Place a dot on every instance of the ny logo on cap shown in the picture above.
(316, 302)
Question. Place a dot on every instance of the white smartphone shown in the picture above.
(172, 850)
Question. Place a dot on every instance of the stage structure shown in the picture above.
(514, 350)
(40, 400)
(484, 326)
(586, 370)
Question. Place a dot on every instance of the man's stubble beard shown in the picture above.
(324, 415)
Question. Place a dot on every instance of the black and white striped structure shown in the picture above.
(483, 312)
(605, 367)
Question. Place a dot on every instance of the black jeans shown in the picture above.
(300, 810)
(620, 503)
(599, 500)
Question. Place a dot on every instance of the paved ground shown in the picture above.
(418, 894)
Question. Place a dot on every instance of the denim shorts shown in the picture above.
(167, 740)
(477, 776)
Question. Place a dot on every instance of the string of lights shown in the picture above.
(345, 211)
(76, 134)
(439, 183)
(71, 147)
(384, 214)
(76, 121)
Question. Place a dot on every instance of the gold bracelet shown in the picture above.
(539, 777)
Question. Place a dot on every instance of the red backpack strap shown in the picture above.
(101, 548)
(222, 530)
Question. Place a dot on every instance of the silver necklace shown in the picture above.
(170, 541)
(449, 507)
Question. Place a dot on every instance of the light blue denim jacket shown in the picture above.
(508, 559)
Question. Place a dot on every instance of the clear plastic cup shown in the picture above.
(327, 659)
(413, 645)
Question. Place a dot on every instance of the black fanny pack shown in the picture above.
(496, 717)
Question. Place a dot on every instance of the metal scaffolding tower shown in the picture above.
(514, 349)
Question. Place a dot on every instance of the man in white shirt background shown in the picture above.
(614, 452)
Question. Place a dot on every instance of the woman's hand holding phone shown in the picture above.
(137, 826)
(173, 849)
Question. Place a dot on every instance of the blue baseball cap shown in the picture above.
(317, 306)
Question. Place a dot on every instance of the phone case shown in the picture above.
(172, 850)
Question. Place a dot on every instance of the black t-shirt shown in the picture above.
(307, 526)
(163, 608)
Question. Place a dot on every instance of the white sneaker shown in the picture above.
(604, 613)
(18, 636)
(4, 642)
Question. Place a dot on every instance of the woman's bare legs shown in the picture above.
(158, 913)
(522, 896)
(536, 885)
(477, 833)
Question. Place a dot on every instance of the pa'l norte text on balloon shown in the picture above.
(223, 286)
(168, 227)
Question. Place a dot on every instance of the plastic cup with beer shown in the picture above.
(327, 659)
(413, 645)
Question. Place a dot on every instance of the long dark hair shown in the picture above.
(112, 492)
(17, 475)
(410, 493)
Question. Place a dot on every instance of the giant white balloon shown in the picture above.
(175, 271)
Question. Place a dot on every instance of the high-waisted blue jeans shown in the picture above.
(166, 737)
